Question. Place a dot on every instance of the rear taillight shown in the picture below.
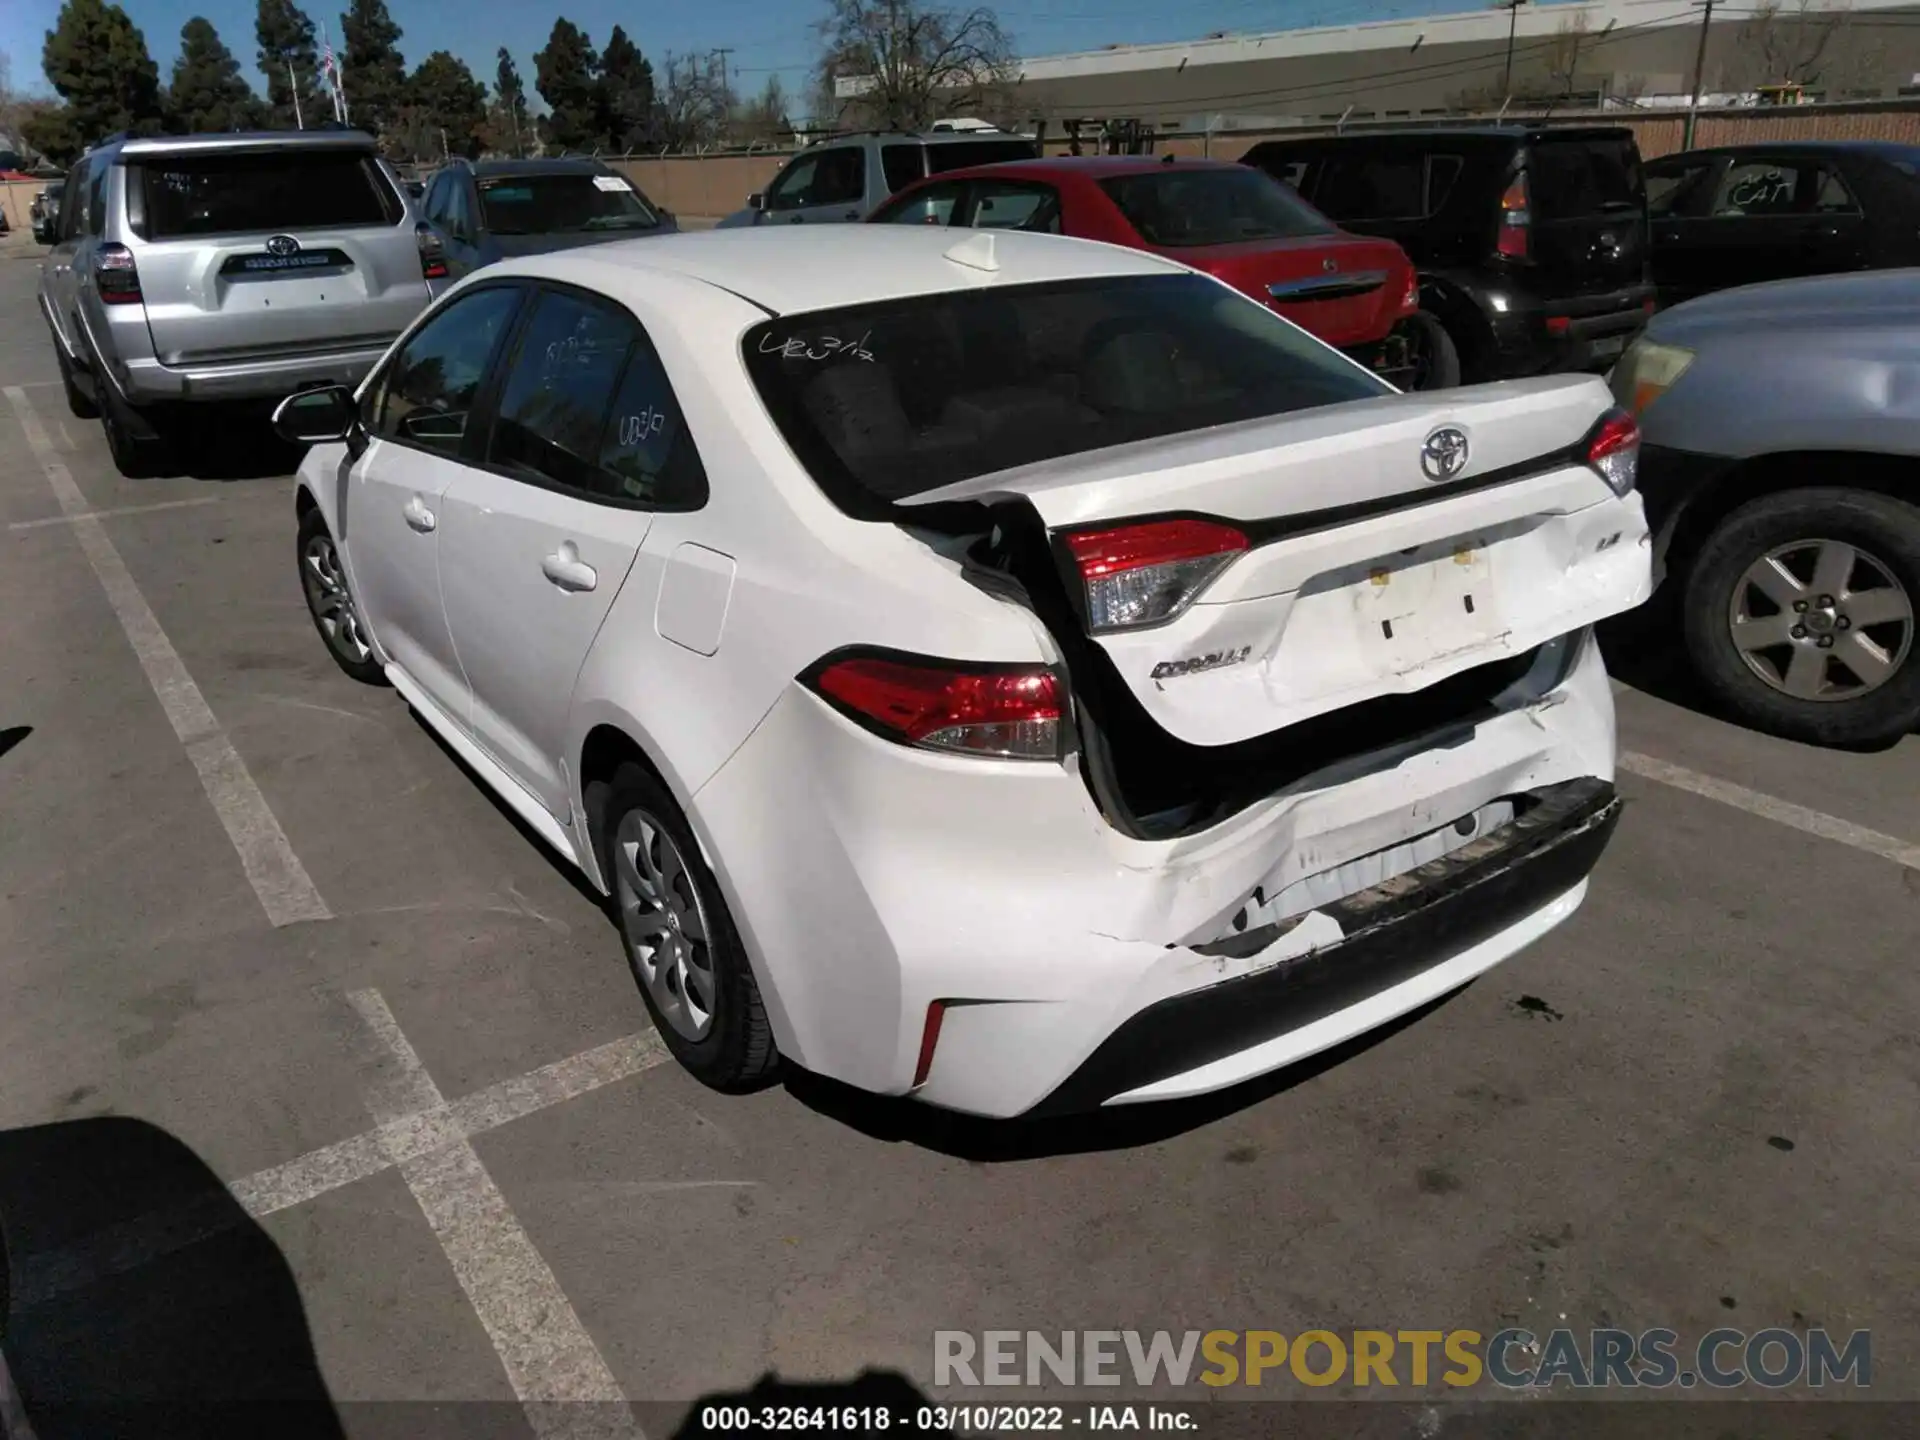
(433, 255)
(1145, 574)
(1516, 221)
(115, 279)
(1001, 712)
(1613, 449)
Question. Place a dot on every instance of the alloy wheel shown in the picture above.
(1821, 620)
(331, 602)
(665, 923)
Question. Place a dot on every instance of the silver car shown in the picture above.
(1781, 446)
(225, 267)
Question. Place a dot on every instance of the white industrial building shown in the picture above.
(1607, 53)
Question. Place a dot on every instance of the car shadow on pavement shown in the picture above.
(1120, 1127)
(12, 736)
(139, 1300)
(227, 443)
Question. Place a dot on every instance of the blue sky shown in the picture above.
(766, 36)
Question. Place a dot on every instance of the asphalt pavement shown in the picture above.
(420, 1145)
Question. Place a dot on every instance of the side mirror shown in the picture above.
(757, 200)
(317, 417)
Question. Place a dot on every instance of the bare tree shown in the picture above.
(1801, 44)
(900, 63)
(764, 118)
(691, 105)
(1562, 55)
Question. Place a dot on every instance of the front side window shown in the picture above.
(945, 155)
(427, 392)
(884, 402)
(559, 393)
(563, 204)
(1178, 208)
(790, 187)
(1671, 190)
(290, 189)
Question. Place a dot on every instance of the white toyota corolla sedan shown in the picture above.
(1021, 673)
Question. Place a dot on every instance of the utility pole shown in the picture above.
(726, 95)
(1699, 68)
(1513, 11)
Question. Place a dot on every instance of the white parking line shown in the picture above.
(1769, 807)
(115, 512)
(275, 872)
(550, 1360)
(138, 1242)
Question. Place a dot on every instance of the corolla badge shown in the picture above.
(1445, 453)
(282, 245)
(1194, 664)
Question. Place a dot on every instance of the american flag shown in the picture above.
(330, 72)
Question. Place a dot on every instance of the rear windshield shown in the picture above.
(280, 190)
(959, 154)
(1569, 179)
(1175, 207)
(563, 204)
(884, 402)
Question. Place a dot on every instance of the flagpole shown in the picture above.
(294, 85)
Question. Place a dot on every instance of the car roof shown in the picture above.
(919, 137)
(1887, 149)
(828, 267)
(1458, 134)
(1089, 166)
(568, 165)
(240, 142)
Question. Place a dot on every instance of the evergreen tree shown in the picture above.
(208, 93)
(626, 93)
(448, 103)
(511, 126)
(285, 36)
(96, 58)
(566, 73)
(375, 74)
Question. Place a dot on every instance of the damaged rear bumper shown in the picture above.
(1388, 935)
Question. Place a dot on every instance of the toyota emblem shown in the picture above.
(1329, 264)
(282, 245)
(1445, 454)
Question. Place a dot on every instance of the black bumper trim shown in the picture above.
(1393, 931)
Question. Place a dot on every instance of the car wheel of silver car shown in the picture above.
(680, 938)
(323, 580)
(139, 450)
(1801, 612)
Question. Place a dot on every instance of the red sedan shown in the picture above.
(1234, 222)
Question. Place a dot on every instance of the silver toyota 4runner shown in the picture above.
(225, 267)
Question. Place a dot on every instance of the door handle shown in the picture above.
(566, 569)
(853, 214)
(797, 220)
(418, 516)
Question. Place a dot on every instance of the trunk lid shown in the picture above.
(1588, 205)
(1345, 289)
(1364, 577)
(275, 252)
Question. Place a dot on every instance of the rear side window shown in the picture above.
(279, 190)
(647, 454)
(960, 154)
(1373, 187)
(902, 165)
(1193, 207)
(559, 393)
(883, 402)
(1569, 180)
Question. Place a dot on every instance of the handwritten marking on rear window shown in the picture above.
(821, 347)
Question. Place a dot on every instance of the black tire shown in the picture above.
(1886, 530)
(1436, 359)
(737, 1051)
(339, 626)
(78, 401)
(138, 448)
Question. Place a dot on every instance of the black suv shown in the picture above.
(1531, 241)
